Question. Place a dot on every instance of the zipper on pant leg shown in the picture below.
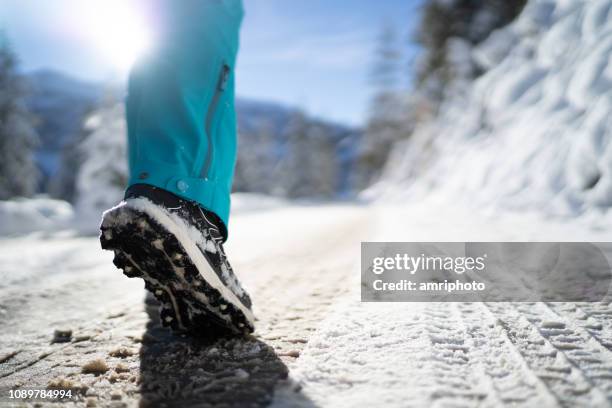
(210, 117)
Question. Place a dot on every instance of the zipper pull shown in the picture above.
(225, 73)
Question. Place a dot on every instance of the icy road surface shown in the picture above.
(315, 344)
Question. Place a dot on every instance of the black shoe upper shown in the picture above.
(207, 222)
(190, 210)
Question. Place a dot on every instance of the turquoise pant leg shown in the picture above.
(180, 105)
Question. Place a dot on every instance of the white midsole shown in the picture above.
(179, 229)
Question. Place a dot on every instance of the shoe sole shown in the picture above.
(149, 244)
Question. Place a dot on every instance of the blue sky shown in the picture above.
(313, 54)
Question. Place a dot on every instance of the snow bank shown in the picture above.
(22, 216)
(534, 130)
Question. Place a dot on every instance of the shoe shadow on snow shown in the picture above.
(184, 371)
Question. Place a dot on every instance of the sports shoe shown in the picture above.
(176, 247)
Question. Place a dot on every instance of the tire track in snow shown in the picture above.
(545, 354)
(451, 359)
(431, 354)
(498, 362)
(564, 324)
(595, 318)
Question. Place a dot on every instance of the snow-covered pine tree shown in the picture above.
(64, 184)
(389, 120)
(293, 170)
(103, 173)
(18, 138)
(309, 164)
(447, 31)
(323, 166)
(255, 160)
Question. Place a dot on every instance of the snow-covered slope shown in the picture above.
(534, 130)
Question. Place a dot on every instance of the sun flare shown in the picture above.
(118, 29)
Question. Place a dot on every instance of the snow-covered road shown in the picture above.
(316, 344)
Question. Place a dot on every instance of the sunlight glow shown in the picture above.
(118, 29)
